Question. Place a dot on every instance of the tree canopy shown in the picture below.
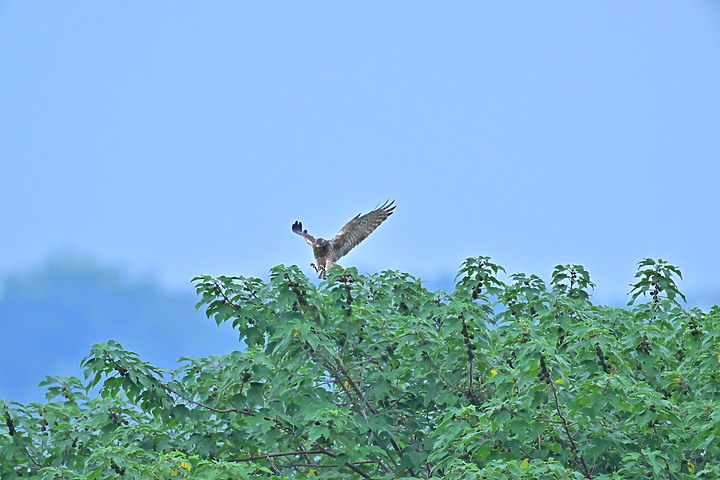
(377, 377)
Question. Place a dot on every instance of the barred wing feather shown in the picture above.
(358, 229)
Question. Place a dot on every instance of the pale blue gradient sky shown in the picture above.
(184, 138)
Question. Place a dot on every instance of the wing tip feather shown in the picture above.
(388, 207)
(297, 228)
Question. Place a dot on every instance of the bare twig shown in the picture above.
(208, 407)
(370, 407)
(323, 465)
(350, 465)
(571, 438)
(277, 454)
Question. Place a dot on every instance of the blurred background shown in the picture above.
(142, 144)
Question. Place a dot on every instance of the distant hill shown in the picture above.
(51, 316)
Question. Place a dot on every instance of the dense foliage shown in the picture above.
(376, 377)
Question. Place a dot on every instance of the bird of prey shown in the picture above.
(328, 252)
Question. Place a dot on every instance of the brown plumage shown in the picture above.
(328, 252)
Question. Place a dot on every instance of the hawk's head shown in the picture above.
(321, 244)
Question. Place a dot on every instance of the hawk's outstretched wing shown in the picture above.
(358, 229)
(297, 228)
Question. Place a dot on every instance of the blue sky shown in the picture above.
(184, 138)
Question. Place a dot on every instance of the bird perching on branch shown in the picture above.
(328, 252)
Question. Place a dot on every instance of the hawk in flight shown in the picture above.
(328, 252)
